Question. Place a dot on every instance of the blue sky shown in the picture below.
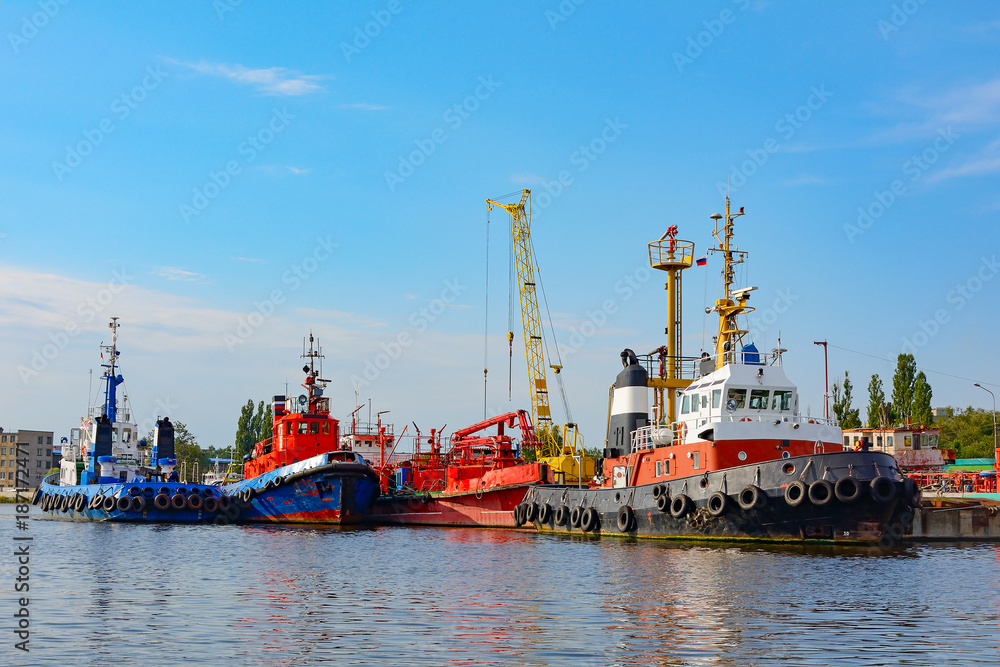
(226, 176)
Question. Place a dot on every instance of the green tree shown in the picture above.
(902, 388)
(842, 399)
(876, 398)
(246, 435)
(921, 409)
(968, 431)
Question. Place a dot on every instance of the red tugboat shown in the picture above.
(478, 481)
(725, 454)
(300, 474)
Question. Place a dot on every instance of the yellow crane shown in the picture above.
(566, 462)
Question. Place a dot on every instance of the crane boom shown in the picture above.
(520, 214)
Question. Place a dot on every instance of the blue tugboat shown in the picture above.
(301, 474)
(108, 474)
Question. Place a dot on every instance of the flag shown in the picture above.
(702, 261)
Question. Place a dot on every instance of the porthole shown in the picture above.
(742, 456)
(703, 483)
(788, 468)
(785, 455)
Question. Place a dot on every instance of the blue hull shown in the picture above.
(50, 499)
(317, 490)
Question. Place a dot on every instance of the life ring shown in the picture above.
(847, 490)
(161, 501)
(574, 516)
(751, 497)
(626, 519)
(820, 492)
(746, 419)
(812, 421)
(590, 520)
(679, 506)
(682, 431)
(562, 515)
(795, 493)
(194, 501)
(178, 501)
(883, 489)
(544, 512)
(717, 503)
(211, 505)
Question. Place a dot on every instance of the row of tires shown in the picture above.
(64, 502)
(751, 497)
(248, 494)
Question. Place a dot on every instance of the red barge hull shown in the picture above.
(492, 509)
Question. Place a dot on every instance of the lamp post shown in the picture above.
(826, 378)
(996, 464)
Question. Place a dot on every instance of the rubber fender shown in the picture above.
(820, 492)
(590, 520)
(796, 493)
(751, 497)
(847, 490)
(717, 503)
(626, 519)
(680, 505)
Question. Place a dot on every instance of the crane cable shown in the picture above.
(486, 313)
(552, 332)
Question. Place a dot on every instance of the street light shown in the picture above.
(826, 378)
(994, 415)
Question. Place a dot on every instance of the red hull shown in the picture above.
(492, 508)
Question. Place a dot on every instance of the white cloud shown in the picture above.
(297, 171)
(254, 260)
(270, 81)
(175, 273)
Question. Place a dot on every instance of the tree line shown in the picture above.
(968, 431)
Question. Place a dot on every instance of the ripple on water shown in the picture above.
(291, 595)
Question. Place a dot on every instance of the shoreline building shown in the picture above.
(914, 446)
(35, 451)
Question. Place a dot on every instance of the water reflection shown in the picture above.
(275, 595)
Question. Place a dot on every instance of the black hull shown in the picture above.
(866, 518)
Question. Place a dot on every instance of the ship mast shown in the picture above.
(314, 384)
(733, 302)
(111, 378)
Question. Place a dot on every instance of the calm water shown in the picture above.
(104, 593)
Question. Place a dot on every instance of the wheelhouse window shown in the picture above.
(704, 401)
(303, 427)
(314, 428)
(782, 400)
(326, 428)
(686, 405)
(758, 399)
(736, 399)
(716, 398)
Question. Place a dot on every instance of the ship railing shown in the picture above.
(654, 435)
(771, 416)
(364, 428)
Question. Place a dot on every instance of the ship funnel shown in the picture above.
(629, 405)
(163, 439)
(102, 437)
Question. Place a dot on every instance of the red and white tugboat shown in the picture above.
(477, 481)
(300, 474)
(725, 452)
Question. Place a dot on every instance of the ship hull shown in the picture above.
(493, 508)
(866, 518)
(59, 503)
(315, 491)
